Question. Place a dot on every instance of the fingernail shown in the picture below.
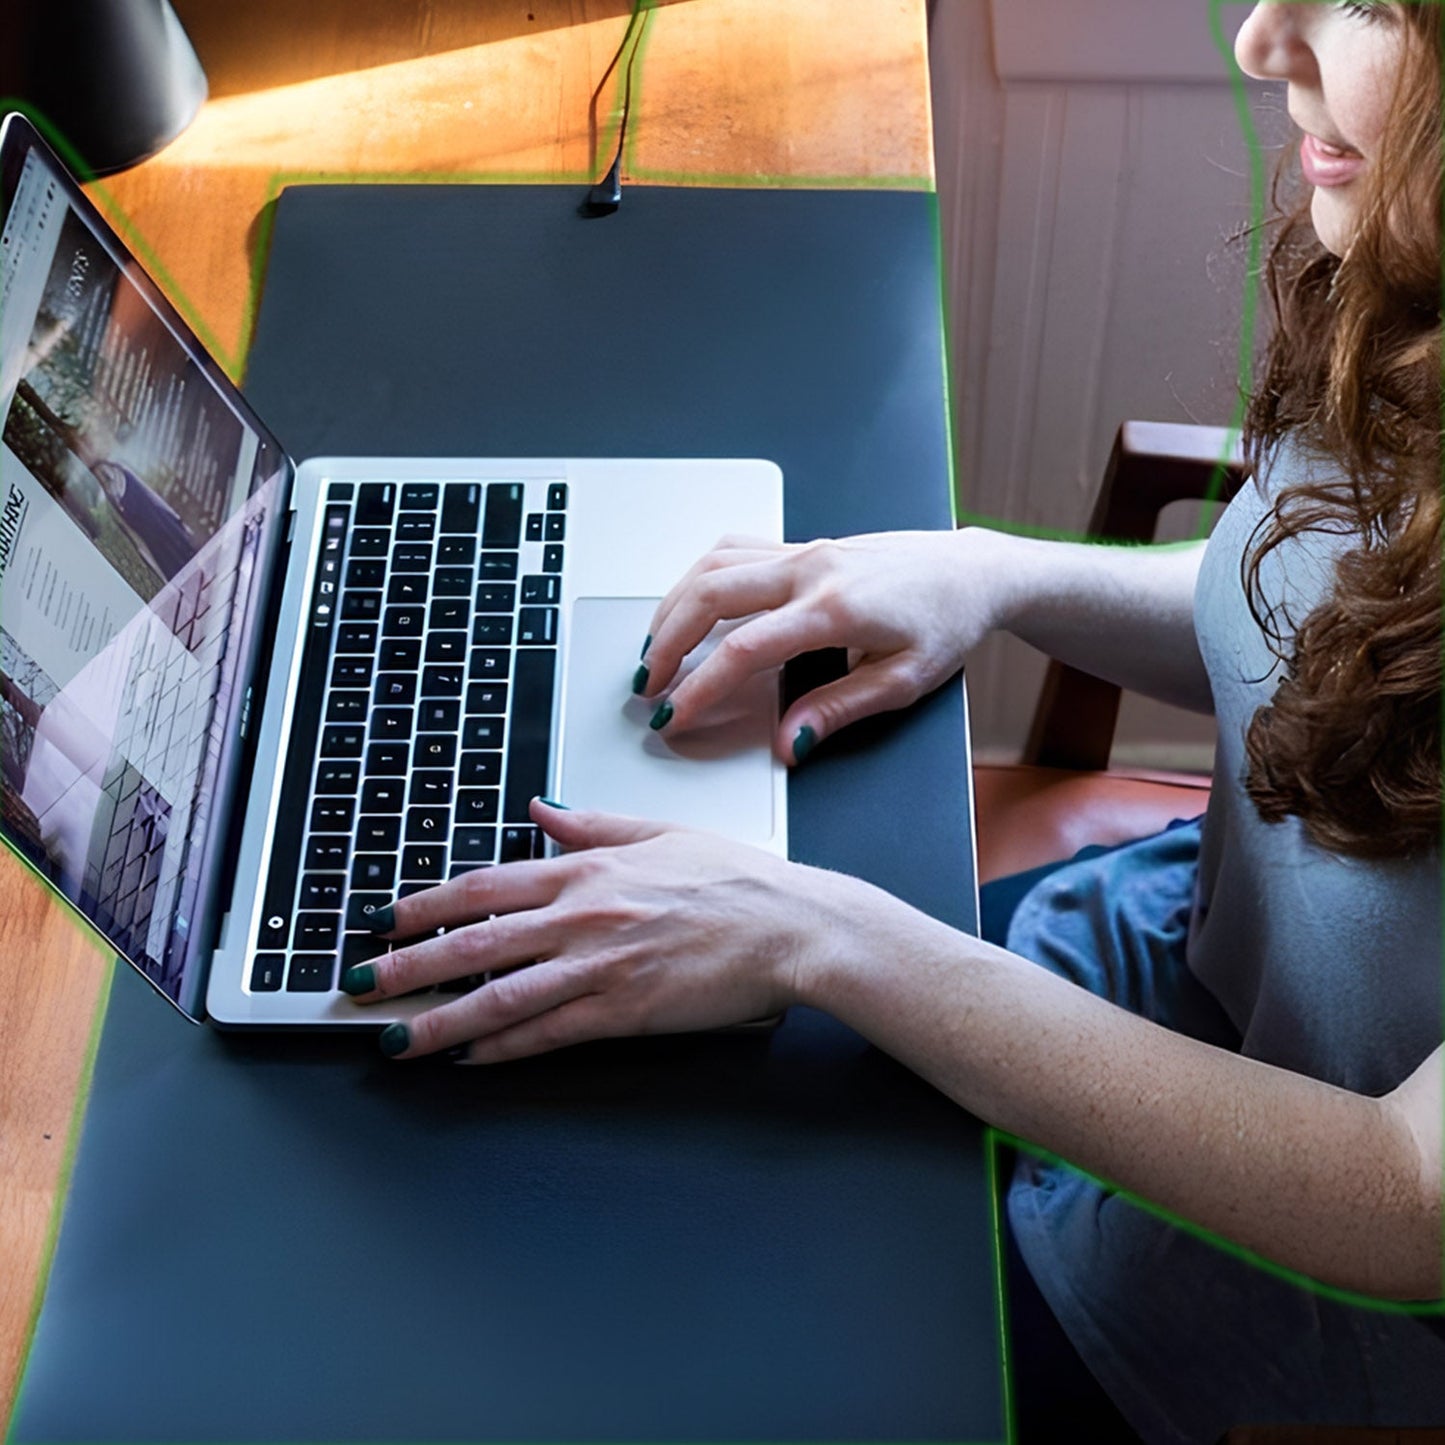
(553, 803)
(803, 742)
(661, 717)
(394, 1040)
(383, 919)
(361, 979)
(639, 680)
(646, 645)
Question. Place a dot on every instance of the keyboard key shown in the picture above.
(557, 497)
(519, 842)
(489, 664)
(415, 527)
(420, 861)
(486, 697)
(552, 558)
(391, 724)
(436, 750)
(537, 627)
(497, 567)
(556, 527)
(537, 589)
(439, 715)
(399, 654)
(474, 845)
(446, 647)
(374, 872)
(440, 681)
(427, 825)
(456, 551)
(361, 606)
(341, 741)
(266, 972)
(449, 612)
(317, 930)
(402, 621)
(336, 776)
(365, 572)
(407, 588)
(395, 688)
(333, 815)
(496, 597)
(387, 760)
(356, 637)
(411, 557)
(378, 833)
(482, 732)
(530, 742)
(480, 770)
(452, 582)
(322, 890)
(382, 795)
(311, 973)
(347, 706)
(327, 853)
(430, 787)
(360, 907)
(340, 491)
(534, 527)
(363, 947)
(493, 631)
(420, 496)
(502, 526)
(460, 505)
(370, 542)
(476, 805)
(374, 504)
(351, 671)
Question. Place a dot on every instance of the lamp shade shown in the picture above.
(117, 79)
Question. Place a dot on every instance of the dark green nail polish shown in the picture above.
(639, 679)
(646, 645)
(361, 979)
(661, 717)
(803, 742)
(383, 919)
(553, 803)
(394, 1040)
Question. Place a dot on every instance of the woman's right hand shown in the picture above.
(906, 605)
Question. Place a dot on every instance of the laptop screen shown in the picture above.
(138, 499)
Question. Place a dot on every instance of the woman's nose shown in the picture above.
(1270, 45)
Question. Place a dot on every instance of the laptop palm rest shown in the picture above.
(717, 775)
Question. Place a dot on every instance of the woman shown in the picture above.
(1256, 1044)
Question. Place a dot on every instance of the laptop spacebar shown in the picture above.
(534, 676)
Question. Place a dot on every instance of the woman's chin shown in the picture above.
(1333, 217)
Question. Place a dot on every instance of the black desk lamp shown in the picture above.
(117, 79)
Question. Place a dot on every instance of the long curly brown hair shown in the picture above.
(1350, 743)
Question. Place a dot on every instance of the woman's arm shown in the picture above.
(1341, 1187)
(910, 605)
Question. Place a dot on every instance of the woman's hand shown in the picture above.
(645, 929)
(906, 605)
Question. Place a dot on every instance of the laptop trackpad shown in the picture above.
(718, 775)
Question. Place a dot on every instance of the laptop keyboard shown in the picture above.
(422, 726)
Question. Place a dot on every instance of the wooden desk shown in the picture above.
(820, 92)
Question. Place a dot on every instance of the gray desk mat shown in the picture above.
(714, 1238)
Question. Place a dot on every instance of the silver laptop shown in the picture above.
(245, 702)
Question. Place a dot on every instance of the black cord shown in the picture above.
(606, 195)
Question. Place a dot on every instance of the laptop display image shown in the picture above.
(245, 700)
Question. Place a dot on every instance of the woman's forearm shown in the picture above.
(1323, 1181)
(1124, 613)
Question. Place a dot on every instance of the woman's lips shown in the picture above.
(1327, 165)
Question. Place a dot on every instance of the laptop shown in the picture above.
(244, 701)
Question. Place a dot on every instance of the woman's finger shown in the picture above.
(716, 596)
(725, 552)
(875, 685)
(590, 1017)
(504, 889)
(577, 829)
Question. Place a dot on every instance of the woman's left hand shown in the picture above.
(640, 929)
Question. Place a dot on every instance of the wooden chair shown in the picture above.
(1063, 795)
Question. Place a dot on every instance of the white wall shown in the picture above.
(1091, 166)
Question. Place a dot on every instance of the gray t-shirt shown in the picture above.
(1250, 937)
